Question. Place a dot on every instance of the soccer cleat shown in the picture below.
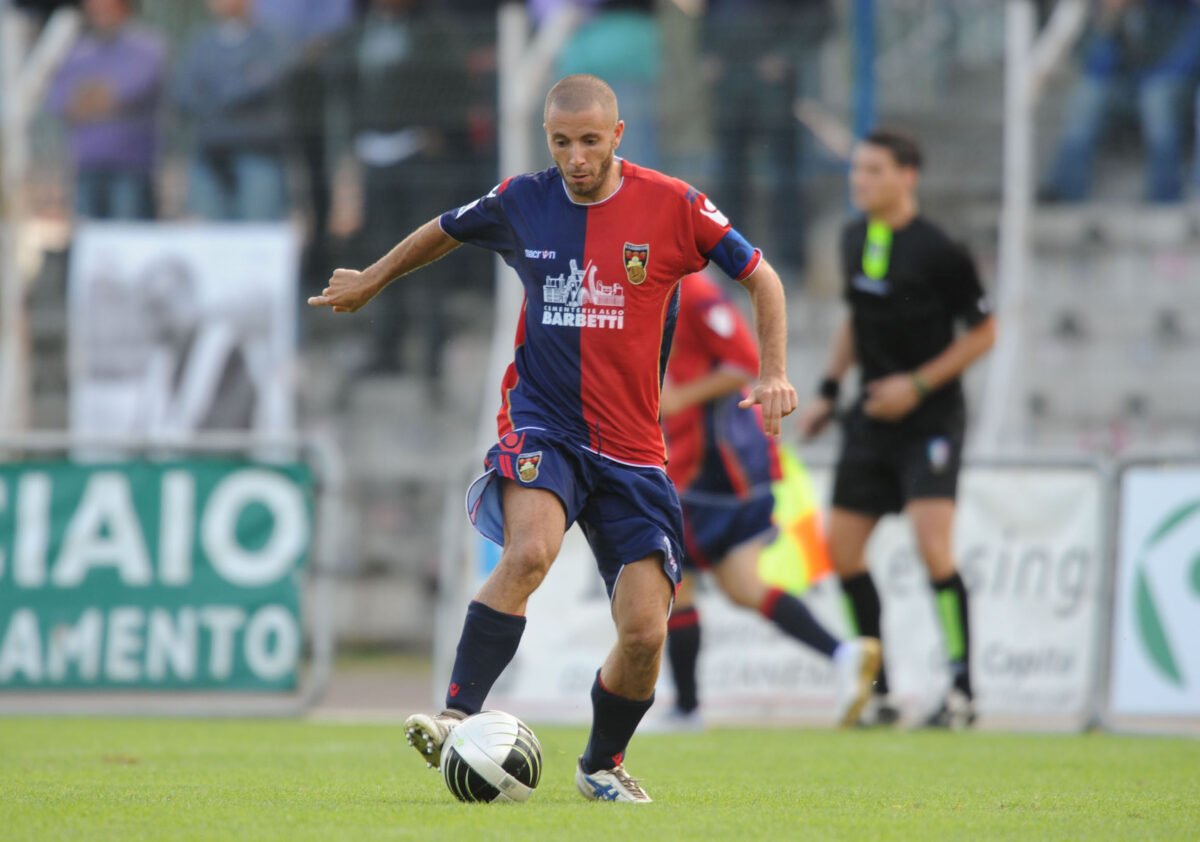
(428, 733)
(956, 712)
(855, 671)
(610, 785)
(879, 712)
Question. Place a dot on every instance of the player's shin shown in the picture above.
(614, 720)
(488, 643)
(793, 618)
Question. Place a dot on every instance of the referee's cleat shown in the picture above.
(879, 712)
(428, 733)
(956, 712)
(613, 784)
(855, 669)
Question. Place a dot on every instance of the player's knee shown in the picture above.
(644, 639)
(530, 559)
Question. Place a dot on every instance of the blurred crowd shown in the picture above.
(1140, 59)
(361, 119)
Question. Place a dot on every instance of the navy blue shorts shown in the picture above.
(715, 525)
(626, 512)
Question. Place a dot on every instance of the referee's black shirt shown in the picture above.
(906, 317)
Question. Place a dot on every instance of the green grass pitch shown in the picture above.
(99, 779)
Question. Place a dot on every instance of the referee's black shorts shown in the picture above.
(883, 466)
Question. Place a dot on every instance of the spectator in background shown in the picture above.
(619, 41)
(230, 82)
(1144, 50)
(307, 28)
(759, 52)
(404, 96)
(107, 91)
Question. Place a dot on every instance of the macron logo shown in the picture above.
(540, 254)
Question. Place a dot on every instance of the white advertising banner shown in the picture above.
(1030, 548)
(179, 328)
(1156, 610)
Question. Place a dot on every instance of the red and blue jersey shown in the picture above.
(601, 283)
(716, 448)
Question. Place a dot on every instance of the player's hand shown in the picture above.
(777, 398)
(347, 292)
(891, 398)
(816, 417)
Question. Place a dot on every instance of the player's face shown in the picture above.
(877, 183)
(583, 145)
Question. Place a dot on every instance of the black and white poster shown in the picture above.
(182, 328)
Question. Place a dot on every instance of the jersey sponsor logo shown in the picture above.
(540, 254)
(871, 286)
(527, 465)
(580, 299)
(637, 258)
(710, 210)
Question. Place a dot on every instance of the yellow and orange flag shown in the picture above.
(798, 558)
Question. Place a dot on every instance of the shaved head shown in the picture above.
(580, 92)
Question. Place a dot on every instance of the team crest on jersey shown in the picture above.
(636, 260)
(527, 465)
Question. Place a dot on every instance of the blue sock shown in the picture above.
(489, 641)
(793, 618)
(614, 719)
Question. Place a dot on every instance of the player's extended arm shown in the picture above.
(349, 290)
(841, 356)
(715, 384)
(772, 390)
(891, 398)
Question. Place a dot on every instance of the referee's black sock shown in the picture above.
(488, 642)
(614, 719)
(793, 618)
(863, 606)
(951, 597)
(683, 650)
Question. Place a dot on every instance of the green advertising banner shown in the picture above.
(152, 575)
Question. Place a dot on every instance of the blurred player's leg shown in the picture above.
(933, 522)
(856, 661)
(624, 686)
(534, 523)
(683, 651)
(737, 574)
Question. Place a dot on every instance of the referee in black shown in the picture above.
(907, 285)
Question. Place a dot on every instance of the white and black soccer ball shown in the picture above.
(492, 756)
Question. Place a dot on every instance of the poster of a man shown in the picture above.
(182, 329)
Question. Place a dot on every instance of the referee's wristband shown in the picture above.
(920, 384)
(829, 388)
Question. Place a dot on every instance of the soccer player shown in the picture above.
(723, 465)
(907, 285)
(599, 244)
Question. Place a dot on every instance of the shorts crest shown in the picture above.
(527, 465)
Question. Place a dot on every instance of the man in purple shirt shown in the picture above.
(107, 91)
